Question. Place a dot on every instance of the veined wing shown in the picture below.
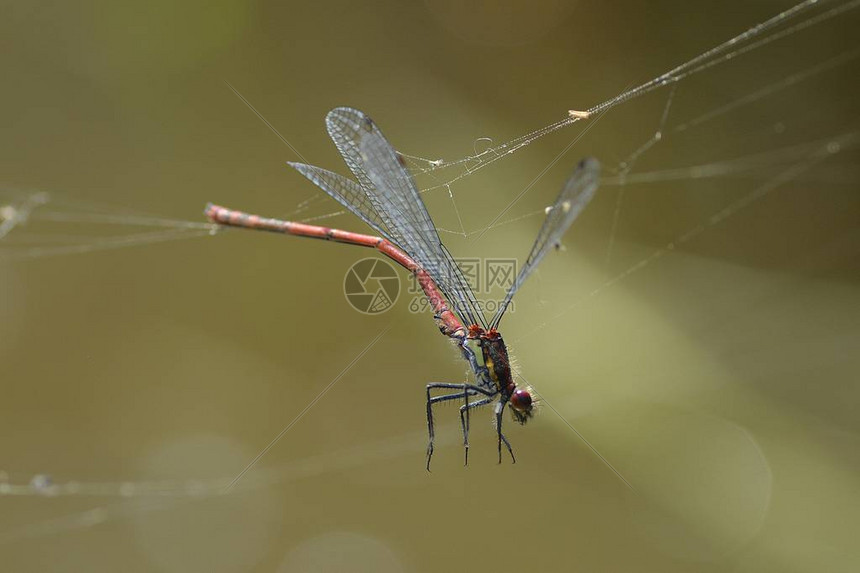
(346, 192)
(387, 199)
(577, 192)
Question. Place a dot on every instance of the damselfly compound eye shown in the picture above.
(521, 400)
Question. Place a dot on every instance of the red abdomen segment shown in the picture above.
(447, 321)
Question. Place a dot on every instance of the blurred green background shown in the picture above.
(720, 378)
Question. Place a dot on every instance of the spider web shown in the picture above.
(27, 217)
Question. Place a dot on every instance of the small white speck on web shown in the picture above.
(43, 483)
(7, 212)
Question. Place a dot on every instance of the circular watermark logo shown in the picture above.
(371, 286)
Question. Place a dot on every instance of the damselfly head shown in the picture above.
(522, 405)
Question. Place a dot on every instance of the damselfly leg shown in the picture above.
(500, 408)
(465, 390)
(464, 421)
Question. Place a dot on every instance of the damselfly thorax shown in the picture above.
(497, 363)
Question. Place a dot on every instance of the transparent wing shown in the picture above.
(387, 199)
(577, 192)
(399, 202)
(346, 192)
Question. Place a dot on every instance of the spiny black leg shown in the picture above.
(429, 428)
(467, 389)
(464, 420)
(510, 451)
(500, 409)
(431, 400)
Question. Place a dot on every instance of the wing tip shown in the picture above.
(344, 115)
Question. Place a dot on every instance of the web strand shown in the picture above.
(794, 163)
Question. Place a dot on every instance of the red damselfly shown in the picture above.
(385, 196)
